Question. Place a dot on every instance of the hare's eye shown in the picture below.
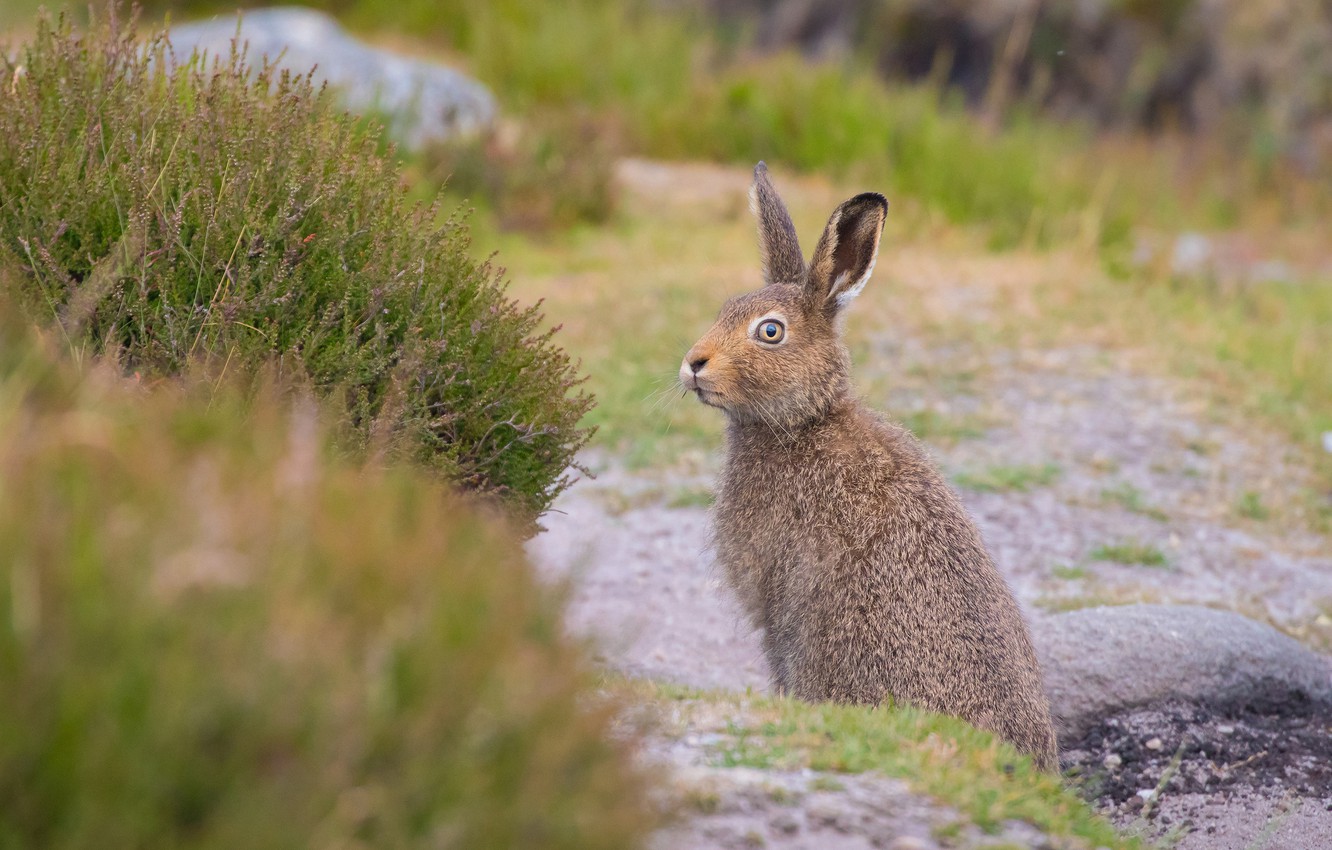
(771, 331)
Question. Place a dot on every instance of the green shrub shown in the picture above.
(215, 633)
(227, 212)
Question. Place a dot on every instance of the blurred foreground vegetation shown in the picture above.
(216, 633)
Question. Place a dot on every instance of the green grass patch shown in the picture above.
(1002, 478)
(985, 779)
(1068, 572)
(1060, 604)
(692, 497)
(932, 426)
(1130, 498)
(1250, 505)
(1130, 552)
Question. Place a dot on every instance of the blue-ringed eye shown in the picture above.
(770, 331)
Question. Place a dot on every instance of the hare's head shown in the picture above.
(775, 355)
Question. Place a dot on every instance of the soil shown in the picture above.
(1211, 774)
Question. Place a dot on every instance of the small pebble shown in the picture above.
(909, 842)
(1145, 794)
(1225, 729)
(1153, 744)
(1112, 761)
(785, 823)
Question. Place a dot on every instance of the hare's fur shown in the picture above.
(842, 541)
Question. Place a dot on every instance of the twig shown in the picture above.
(1166, 775)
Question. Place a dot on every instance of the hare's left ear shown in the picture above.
(844, 257)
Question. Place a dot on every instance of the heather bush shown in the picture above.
(215, 633)
(164, 209)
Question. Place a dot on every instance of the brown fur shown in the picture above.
(844, 544)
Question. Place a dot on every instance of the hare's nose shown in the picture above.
(694, 361)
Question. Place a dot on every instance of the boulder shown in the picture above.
(422, 101)
(1100, 661)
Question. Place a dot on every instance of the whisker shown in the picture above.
(777, 420)
(659, 398)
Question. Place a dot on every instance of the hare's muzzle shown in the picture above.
(691, 368)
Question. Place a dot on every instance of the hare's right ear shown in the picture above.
(782, 260)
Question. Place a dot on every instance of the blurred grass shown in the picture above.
(216, 633)
(668, 84)
(19, 14)
(1001, 478)
(1258, 348)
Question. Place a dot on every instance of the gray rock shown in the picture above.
(1099, 661)
(1192, 255)
(422, 101)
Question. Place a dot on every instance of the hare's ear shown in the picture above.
(845, 255)
(782, 260)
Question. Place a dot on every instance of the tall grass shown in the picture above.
(672, 86)
(215, 633)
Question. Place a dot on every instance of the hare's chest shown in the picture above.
(769, 519)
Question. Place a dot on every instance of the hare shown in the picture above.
(841, 539)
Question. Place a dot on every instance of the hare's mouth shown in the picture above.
(709, 397)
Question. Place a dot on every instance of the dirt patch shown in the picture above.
(1256, 774)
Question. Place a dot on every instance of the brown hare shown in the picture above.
(841, 539)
